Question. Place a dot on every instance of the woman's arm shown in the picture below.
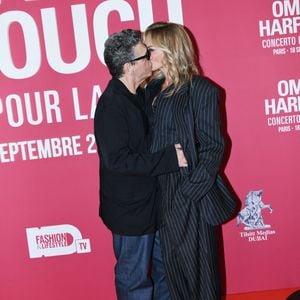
(208, 139)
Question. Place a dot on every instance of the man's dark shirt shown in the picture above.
(129, 192)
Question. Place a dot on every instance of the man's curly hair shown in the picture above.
(118, 50)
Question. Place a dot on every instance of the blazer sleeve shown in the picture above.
(208, 141)
(112, 136)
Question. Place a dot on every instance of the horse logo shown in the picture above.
(251, 214)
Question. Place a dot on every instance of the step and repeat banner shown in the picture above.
(53, 244)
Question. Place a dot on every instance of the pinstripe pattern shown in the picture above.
(193, 200)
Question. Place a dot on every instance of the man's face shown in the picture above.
(141, 68)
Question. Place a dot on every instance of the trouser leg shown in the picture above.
(161, 290)
(133, 254)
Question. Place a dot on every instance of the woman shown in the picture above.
(195, 199)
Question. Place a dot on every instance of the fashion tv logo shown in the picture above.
(55, 241)
(251, 216)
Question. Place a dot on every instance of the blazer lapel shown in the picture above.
(184, 123)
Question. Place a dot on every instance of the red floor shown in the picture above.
(265, 295)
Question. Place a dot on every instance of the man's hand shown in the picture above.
(182, 162)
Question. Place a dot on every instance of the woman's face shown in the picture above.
(157, 56)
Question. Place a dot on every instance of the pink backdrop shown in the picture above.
(53, 244)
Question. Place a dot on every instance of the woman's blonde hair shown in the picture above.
(180, 57)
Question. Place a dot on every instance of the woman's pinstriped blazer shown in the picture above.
(202, 193)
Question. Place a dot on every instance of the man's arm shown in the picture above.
(112, 136)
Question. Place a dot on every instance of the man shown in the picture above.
(129, 191)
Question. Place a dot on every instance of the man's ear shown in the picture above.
(127, 67)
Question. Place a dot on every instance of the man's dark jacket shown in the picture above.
(129, 191)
